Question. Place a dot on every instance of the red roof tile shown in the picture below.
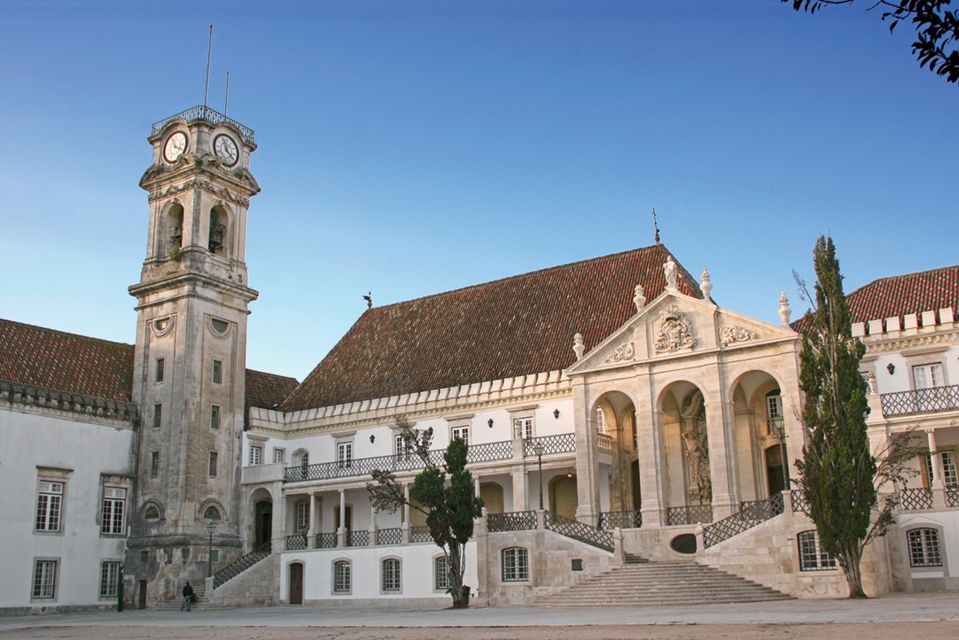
(267, 390)
(901, 295)
(514, 326)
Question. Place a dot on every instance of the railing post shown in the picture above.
(208, 586)
(700, 541)
(540, 519)
(619, 555)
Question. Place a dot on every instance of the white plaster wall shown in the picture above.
(901, 378)
(949, 540)
(416, 566)
(28, 440)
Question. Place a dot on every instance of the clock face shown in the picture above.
(226, 150)
(175, 146)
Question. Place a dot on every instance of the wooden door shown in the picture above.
(142, 594)
(296, 583)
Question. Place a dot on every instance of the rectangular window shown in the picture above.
(949, 475)
(279, 455)
(463, 433)
(924, 548)
(402, 448)
(159, 369)
(302, 515)
(215, 417)
(114, 503)
(811, 555)
(256, 455)
(157, 415)
(515, 564)
(212, 466)
(217, 371)
(49, 506)
(45, 579)
(342, 578)
(344, 454)
(441, 573)
(926, 376)
(523, 428)
(154, 464)
(391, 575)
(109, 578)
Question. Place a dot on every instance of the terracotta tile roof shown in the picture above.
(514, 326)
(68, 362)
(267, 390)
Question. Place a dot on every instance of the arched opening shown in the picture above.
(687, 483)
(562, 495)
(614, 418)
(296, 583)
(217, 240)
(759, 435)
(172, 238)
(492, 495)
(262, 503)
(301, 463)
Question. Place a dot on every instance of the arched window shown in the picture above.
(211, 513)
(515, 562)
(390, 575)
(441, 573)
(302, 518)
(774, 412)
(924, 548)
(174, 228)
(217, 237)
(342, 576)
(152, 514)
(811, 555)
(600, 420)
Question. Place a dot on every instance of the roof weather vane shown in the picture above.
(369, 299)
(655, 225)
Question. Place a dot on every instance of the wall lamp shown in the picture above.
(556, 413)
(490, 423)
(372, 438)
(891, 368)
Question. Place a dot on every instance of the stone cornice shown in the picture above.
(885, 343)
(68, 405)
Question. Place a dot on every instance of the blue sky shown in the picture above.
(414, 147)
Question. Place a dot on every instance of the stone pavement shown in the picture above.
(889, 608)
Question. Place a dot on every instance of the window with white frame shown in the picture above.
(302, 516)
(111, 517)
(45, 579)
(279, 455)
(462, 432)
(342, 576)
(600, 419)
(441, 573)
(927, 376)
(256, 454)
(109, 578)
(49, 506)
(811, 555)
(515, 562)
(523, 427)
(344, 454)
(924, 548)
(390, 582)
(949, 475)
(402, 447)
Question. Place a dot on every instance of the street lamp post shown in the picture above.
(210, 527)
(779, 427)
(539, 450)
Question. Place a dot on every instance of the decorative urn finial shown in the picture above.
(706, 285)
(784, 310)
(578, 347)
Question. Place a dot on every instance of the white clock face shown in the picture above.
(175, 146)
(225, 149)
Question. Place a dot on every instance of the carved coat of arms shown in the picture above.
(673, 332)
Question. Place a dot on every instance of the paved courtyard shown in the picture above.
(892, 617)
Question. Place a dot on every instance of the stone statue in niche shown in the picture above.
(669, 270)
(696, 451)
(673, 333)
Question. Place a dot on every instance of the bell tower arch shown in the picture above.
(190, 363)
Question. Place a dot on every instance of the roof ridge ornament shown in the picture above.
(784, 310)
(669, 271)
(706, 284)
(578, 347)
(639, 298)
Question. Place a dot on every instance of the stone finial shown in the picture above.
(639, 298)
(871, 379)
(669, 270)
(706, 285)
(784, 310)
(578, 347)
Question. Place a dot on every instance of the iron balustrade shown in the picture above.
(296, 542)
(552, 445)
(915, 499)
(604, 442)
(326, 541)
(750, 514)
(240, 565)
(511, 521)
(800, 504)
(486, 452)
(622, 519)
(689, 514)
(357, 538)
(420, 534)
(203, 112)
(392, 536)
(904, 403)
(578, 531)
(952, 496)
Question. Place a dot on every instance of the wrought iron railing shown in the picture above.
(358, 538)
(915, 499)
(579, 531)
(420, 534)
(798, 498)
(326, 541)
(903, 403)
(203, 112)
(604, 442)
(750, 514)
(952, 496)
(391, 536)
(511, 521)
(241, 564)
(486, 452)
(554, 444)
(689, 514)
(622, 519)
(296, 542)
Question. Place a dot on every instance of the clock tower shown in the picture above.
(190, 363)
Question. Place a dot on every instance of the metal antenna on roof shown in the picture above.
(369, 299)
(226, 99)
(209, 54)
(655, 225)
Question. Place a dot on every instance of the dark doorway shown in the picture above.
(142, 594)
(637, 492)
(263, 527)
(296, 583)
(775, 477)
(349, 518)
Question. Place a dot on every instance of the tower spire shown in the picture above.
(655, 225)
(209, 55)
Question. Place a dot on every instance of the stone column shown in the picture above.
(372, 527)
(520, 496)
(476, 486)
(405, 525)
(311, 531)
(937, 482)
(649, 442)
(278, 520)
(341, 531)
(587, 464)
(722, 455)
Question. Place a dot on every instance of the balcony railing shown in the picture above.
(689, 514)
(326, 541)
(203, 112)
(604, 442)
(558, 443)
(915, 499)
(296, 542)
(904, 403)
(512, 521)
(391, 536)
(420, 534)
(750, 514)
(486, 452)
(621, 519)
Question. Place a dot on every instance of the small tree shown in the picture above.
(838, 474)
(449, 506)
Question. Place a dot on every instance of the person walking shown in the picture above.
(187, 597)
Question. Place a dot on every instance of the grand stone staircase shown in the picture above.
(642, 584)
